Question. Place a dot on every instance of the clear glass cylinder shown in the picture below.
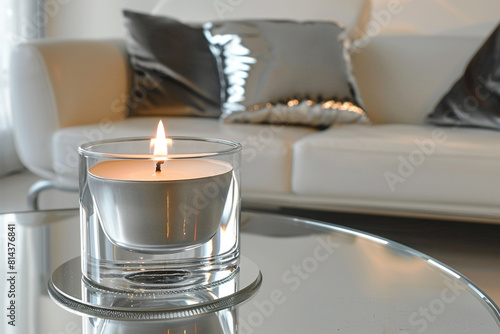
(159, 221)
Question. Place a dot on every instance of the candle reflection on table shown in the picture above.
(222, 322)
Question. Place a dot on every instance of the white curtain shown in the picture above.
(17, 23)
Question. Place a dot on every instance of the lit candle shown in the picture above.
(159, 203)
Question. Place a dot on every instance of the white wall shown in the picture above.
(89, 18)
(103, 18)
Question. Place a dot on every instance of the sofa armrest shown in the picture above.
(57, 84)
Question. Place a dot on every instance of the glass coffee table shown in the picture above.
(317, 278)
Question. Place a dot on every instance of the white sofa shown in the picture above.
(69, 92)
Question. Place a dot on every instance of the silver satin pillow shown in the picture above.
(284, 72)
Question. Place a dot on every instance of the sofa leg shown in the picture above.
(40, 186)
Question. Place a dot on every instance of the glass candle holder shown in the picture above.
(159, 221)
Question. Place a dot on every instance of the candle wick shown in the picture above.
(158, 165)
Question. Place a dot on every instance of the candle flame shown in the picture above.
(159, 145)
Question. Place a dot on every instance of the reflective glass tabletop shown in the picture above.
(317, 278)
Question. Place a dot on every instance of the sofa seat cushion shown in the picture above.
(266, 154)
(399, 164)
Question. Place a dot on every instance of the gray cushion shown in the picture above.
(174, 71)
(474, 100)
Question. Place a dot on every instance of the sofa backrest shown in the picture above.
(401, 78)
(354, 14)
(456, 17)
